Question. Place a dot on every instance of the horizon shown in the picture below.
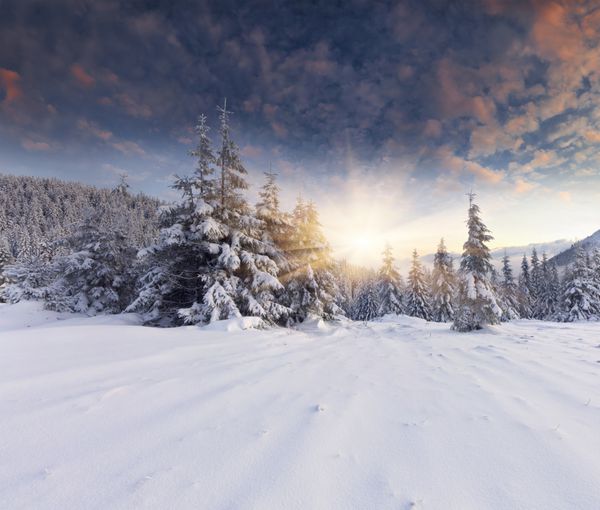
(385, 133)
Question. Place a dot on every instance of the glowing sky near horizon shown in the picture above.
(384, 113)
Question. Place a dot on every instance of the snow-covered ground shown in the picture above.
(102, 413)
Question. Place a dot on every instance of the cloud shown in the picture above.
(251, 151)
(93, 129)
(565, 196)
(32, 145)
(128, 148)
(9, 81)
(523, 186)
(81, 75)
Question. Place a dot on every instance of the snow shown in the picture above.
(103, 413)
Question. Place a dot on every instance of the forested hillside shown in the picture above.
(36, 212)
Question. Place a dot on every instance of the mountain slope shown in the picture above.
(568, 256)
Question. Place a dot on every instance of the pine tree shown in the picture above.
(509, 292)
(477, 304)
(525, 300)
(367, 304)
(536, 278)
(210, 262)
(548, 303)
(389, 285)
(241, 278)
(443, 285)
(205, 161)
(311, 288)
(417, 293)
(5, 259)
(95, 276)
(276, 226)
(581, 294)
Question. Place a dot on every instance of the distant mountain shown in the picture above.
(515, 254)
(567, 256)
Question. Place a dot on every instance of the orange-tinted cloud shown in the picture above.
(92, 128)
(32, 145)
(459, 96)
(82, 76)
(523, 186)
(9, 81)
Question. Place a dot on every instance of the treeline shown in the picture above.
(539, 291)
(213, 256)
(36, 212)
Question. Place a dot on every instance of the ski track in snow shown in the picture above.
(101, 413)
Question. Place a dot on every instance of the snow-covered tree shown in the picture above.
(5, 259)
(581, 293)
(389, 285)
(276, 225)
(210, 262)
(205, 161)
(367, 305)
(548, 303)
(536, 278)
(417, 294)
(95, 276)
(477, 303)
(311, 288)
(509, 292)
(524, 290)
(443, 285)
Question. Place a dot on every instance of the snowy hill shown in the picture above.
(568, 256)
(103, 413)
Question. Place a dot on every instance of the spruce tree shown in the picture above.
(509, 292)
(276, 226)
(548, 303)
(367, 305)
(210, 262)
(525, 299)
(443, 285)
(389, 285)
(536, 278)
(477, 304)
(94, 276)
(311, 287)
(417, 293)
(581, 293)
(240, 278)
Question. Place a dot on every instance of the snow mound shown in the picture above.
(236, 324)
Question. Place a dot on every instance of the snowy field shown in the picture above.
(101, 413)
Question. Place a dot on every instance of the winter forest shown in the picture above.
(212, 256)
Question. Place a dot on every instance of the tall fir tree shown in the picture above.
(417, 294)
(443, 285)
(210, 262)
(581, 293)
(389, 285)
(94, 276)
(366, 307)
(477, 303)
(548, 302)
(509, 292)
(536, 278)
(276, 225)
(311, 288)
(525, 298)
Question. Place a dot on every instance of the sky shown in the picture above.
(384, 113)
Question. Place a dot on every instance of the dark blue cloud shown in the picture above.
(429, 83)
